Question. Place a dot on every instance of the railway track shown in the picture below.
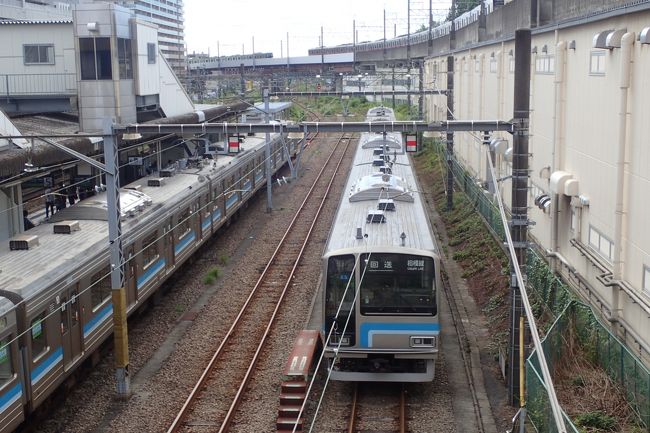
(233, 363)
(370, 411)
(463, 342)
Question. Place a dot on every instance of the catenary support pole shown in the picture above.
(519, 206)
(450, 135)
(120, 330)
(267, 154)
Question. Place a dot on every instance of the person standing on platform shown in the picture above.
(72, 194)
(60, 198)
(49, 202)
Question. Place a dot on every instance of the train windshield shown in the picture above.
(340, 283)
(397, 284)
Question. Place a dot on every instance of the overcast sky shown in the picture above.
(231, 23)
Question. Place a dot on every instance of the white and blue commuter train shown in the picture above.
(55, 296)
(381, 277)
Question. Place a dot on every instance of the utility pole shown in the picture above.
(120, 330)
(450, 135)
(519, 206)
(384, 35)
(393, 81)
(322, 52)
(354, 47)
(430, 41)
(267, 153)
(408, 39)
(421, 90)
(450, 108)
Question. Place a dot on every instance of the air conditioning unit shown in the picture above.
(23, 242)
(66, 227)
(375, 216)
(386, 204)
(158, 181)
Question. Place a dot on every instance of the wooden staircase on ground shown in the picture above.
(293, 390)
(292, 396)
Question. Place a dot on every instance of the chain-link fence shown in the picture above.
(571, 320)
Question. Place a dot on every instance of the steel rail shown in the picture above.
(461, 335)
(402, 410)
(352, 426)
(180, 417)
(233, 407)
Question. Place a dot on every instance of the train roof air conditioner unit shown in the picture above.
(66, 227)
(157, 181)
(23, 242)
(375, 216)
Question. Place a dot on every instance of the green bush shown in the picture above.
(596, 420)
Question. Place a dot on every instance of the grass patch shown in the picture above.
(212, 276)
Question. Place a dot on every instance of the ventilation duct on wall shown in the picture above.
(614, 39)
(644, 36)
(600, 39)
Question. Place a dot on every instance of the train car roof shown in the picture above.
(364, 189)
(58, 256)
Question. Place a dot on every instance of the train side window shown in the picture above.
(100, 289)
(150, 250)
(6, 369)
(183, 226)
(39, 336)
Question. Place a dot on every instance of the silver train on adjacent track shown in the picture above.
(381, 270)
(55, 297)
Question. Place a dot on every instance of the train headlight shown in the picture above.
(423, 341)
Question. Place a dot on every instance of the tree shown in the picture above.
(463, 6)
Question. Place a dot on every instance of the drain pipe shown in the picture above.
(558, 140)
(619, 252)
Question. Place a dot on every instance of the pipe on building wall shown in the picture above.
(558, 138)
(627, 43)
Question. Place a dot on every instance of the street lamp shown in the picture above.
(359, 77)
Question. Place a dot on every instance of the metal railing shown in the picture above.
(12, 85)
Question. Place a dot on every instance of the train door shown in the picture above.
(70, 326)
(129, 276)
(169, 243)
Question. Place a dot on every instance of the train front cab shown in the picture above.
(12, 395)
(393, 333)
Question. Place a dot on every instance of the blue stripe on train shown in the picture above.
(216, 215)
(184, 243)
(369, 329)
(10, 397)
(48, 364)
(248, 185)
(206, 224)
(93, 323)
(150, 272)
